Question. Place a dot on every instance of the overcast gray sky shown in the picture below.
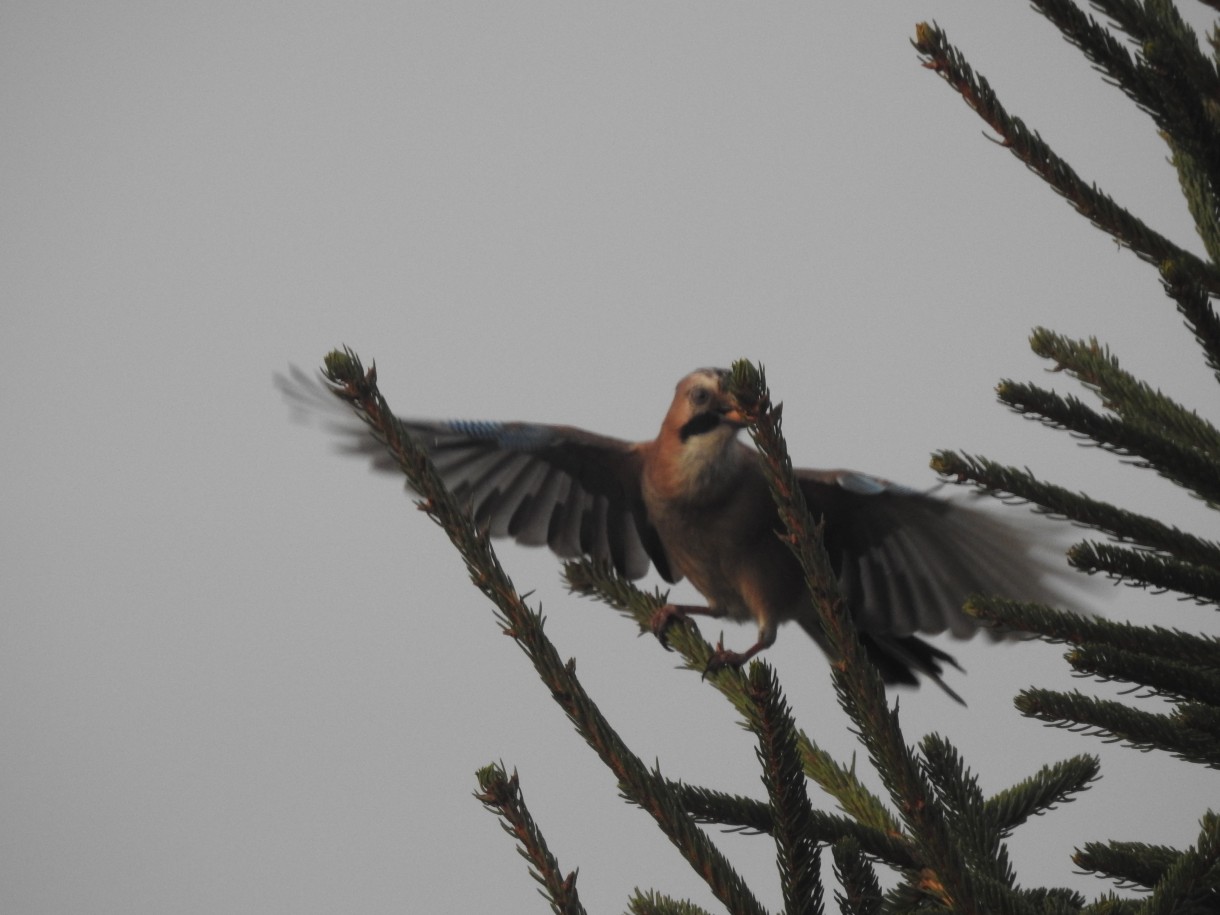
(240, 673)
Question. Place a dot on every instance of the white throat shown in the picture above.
(709, 462)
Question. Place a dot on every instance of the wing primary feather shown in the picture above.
(919, 568)
(626, 551)
(531, 522)
(593, 530)
(938, 601)
(563, 537)
(513, 483)
(897, 615)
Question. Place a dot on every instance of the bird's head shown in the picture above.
(697, 453)
(702, 407)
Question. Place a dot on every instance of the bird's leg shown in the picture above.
(722, 657)
(672, 613)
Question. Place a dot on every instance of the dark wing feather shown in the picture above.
(907, 560)
(574, 491)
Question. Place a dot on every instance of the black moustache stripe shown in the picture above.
(697, 425)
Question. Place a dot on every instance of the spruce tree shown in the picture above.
(935, 841)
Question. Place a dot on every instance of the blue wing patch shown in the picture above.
(509, 436)
(864, 485)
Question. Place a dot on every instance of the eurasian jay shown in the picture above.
(694, 503)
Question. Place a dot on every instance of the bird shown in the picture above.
(693, 503)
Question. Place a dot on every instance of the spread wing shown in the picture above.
(573, 491)
(907, 560)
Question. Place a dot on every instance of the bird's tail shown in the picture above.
(901, 658)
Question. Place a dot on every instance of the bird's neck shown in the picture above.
(701, 469)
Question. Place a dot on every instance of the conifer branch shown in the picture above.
(1169, 81)
(1175, 733)
(797, 852)
(1103, 50)
(895, 851)
(1075, 629)
(1141, 568)
(962, 799)
(1194, 877)
(1171, 52)
(1095, 367)
(1148, 444)
(1000, 480)
(1129, 863)
(1051, 786)
(652, 903)
(501, 794)
(1109, 904)
(1099, 208)
(1199, 189)
(1195, 306)
(857, 681)
(1062, 901)
(1163, 676)
(1146, 22)
(861, 891)
(733, 813)
(358, 388)
(841, 783)
(590, 579)
(980, 833)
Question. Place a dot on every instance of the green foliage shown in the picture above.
(1170, 79)
(940, 840)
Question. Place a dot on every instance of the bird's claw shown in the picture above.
(662, 620)
(722, 658)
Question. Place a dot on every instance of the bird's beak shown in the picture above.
(731, 413)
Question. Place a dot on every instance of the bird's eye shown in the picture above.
(700, 397)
